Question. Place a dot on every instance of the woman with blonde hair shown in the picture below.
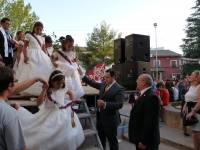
(192, 99)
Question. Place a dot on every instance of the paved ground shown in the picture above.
(90, 142)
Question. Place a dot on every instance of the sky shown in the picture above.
(78, 18)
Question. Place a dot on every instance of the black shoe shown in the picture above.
(186, 134)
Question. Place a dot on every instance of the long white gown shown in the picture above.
(16, 63)
(39, 64)
(72, 78)
(51, 128)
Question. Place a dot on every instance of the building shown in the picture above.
(169, 64)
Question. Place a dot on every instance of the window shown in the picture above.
(173, 63)
(158, 63)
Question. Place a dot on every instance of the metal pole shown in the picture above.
(155, 25)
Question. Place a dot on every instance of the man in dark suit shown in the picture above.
(144, 116)
(6, 43)
(110, 101)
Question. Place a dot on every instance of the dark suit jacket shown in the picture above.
(114, 101)
(144, 120)
(2, 47)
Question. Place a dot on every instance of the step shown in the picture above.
(19, 97)
(89, 132)
(79, 101)
(94, 148)
(83, 115)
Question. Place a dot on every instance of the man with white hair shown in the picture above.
(144, 116)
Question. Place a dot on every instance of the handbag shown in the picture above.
(190, 122)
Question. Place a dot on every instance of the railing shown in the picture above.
(124, 126)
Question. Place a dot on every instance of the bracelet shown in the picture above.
(194, 109)
(36, 79)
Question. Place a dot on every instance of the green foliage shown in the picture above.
(189, 68)
(88, 59)
(191, 43)
(100, 44)
(20, 15)
(56, 43)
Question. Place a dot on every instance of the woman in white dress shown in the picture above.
(67, 63)
(192, 99)
(35, 62)
(19, 45)
(56, 125)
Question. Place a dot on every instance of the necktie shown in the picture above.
(106, 88)
(7, 35)
(8, 40)
(138, 96)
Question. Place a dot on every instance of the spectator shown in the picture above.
(180, 86)
(192, 99)
(170, 90)
(154, 83)
(184, 91)
(132, 99)
(175, 92)
(164, 94)
(176, 83)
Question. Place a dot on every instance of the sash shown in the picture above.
(47, 52)
(37, 39)
(6, 43)
(64, 56)
(61, 107)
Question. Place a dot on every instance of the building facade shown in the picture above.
(169, 64)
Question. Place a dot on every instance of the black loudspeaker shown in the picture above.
(137, 48)
(119, 51)
(119, 71)
(132, 71)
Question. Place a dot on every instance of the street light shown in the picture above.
(155, 25)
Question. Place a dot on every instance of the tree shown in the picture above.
(19, 14)
(101, 44)
(88, 60)
(191, 43)
(189, 67)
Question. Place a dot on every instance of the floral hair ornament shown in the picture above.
(57, 75)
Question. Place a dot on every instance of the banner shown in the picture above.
(97, 72)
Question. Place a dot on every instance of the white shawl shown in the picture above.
(6, 43)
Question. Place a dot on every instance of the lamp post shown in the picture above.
(155, 25)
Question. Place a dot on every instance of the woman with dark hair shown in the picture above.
(48, 45)
(170, 90)
(35, 61)
(164, 94)
(67, 63)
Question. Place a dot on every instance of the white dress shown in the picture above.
(39, 64)
(192, 96)
(51, 128)
(15, 65)
(72, 78)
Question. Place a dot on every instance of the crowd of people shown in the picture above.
(33, 59)
(54, 78)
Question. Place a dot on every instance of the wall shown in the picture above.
(165, 64)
